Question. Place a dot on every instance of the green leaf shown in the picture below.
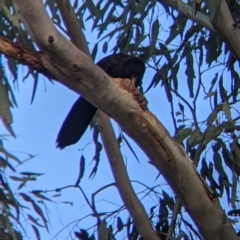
(57, 195)
(110, 16)
(15, 178)
(119, 140)
(213, 82)
(154, 35)
(156, 79)
(210, 94)
(130, 147)
(68, 203)
(39, 211)
(222, 90)
(204, 169)
(81, 170)
(4, 163)
(229, 160)
(210, 134)
(214, 48)
(5, 113)
(35, 83)
(31, 173)
(173, 34)
(181, 107)
(9, 155)
(93, 9)
(166, 52)
(183, 134)
(25, 197)
(94, 51)
(168, 200)
(12, 65)
(103, 231)
(216, 147)
(218, 163)
(37, 234)
(226, 110)
(212, 117)
(195, 138)
(39, 194)
(105, 47)
(12, 98)
(127, 40)
(34, 220)
(119, 224)
(219, 129)
(174, 76)
(167, 91)
(215, 99)
(190, 73)
(25, 180)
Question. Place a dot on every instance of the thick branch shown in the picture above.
(73, 26)
(23, 55)
(188, 11)
(78, 72)
(227, 28)
(132, 203)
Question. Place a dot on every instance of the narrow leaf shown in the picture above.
(37, 234)
(130, 147)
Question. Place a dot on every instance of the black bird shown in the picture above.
(116, 66)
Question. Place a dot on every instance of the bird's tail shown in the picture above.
(75, 123)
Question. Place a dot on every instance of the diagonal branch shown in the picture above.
(111, 146)
(26, 57)
(226, 27)
(188, 11)
(73, 26)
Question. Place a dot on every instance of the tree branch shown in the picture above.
(74, 29)
(226, 27)
(126, 191)
(188, 11)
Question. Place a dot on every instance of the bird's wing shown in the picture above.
(110, 63)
